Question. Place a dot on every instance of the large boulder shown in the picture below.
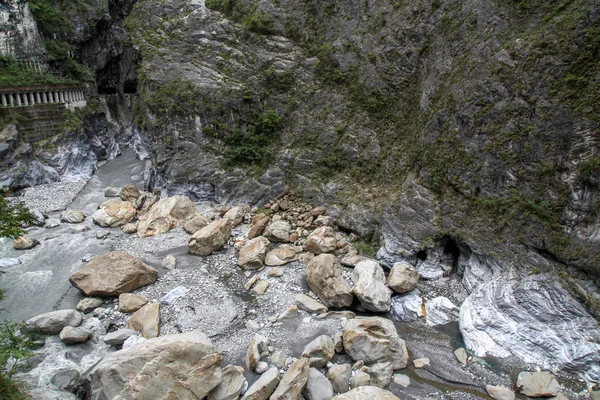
(293, 381)
(252, 255)
(370, 287)
(183, 366)
(366, 392)
(111, 274)
(52, 323)
(324, 276)
(114, 213)
(373, 340)
(165, 215)
(146, 321)
(278, 231)
(210, 238)
(321, 240)
(403, 277)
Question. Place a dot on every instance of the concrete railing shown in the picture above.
(73, 96)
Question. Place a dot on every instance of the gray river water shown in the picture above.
(41, 282)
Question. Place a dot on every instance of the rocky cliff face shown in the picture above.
(457, 131)
(84, 41)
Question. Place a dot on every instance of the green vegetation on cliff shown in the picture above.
(15, 74)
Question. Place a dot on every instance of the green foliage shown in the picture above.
(14, 347)
(253, 147)
(259, 22)
(13, 74)
(590, 168)
(50, 19)
(9, 390)
(12, 217)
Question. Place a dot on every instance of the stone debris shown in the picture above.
(537, 384)
(210, 238)
(146, 320)
(25, 243)
(129, 302)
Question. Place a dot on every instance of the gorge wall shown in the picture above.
(441, 132)
(421, 123)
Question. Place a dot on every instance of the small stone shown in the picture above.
(339, 376)
(89, 304)
(257, 346)
(129, 302)
(421, 362)
(66, 379)
(317, 386)
(500, 393)
(25, 243)
(338, 343)
(461, 355)
(261, 287)
(251, 282)
(360, 378)
(290, 313)
(146, 320)
(309, 304)
(402, 380)
(72, 335)
(252, 325)
(102, 234)
(169, 262)
(278, 359)
(320, 351)
(275, 273)
(261, 367)
(129, 228)
(119, 337)
(403, 277)
(358, 365)
(72, 217)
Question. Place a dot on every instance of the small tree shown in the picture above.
(13, 217)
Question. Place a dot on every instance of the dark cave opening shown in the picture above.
(422, 255)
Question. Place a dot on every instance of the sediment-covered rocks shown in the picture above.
(111, 274)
